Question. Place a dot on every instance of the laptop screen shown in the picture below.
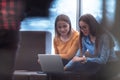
(51, 63)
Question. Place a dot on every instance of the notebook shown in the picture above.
(51, 63)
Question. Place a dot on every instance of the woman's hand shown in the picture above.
(76, 58)
(84, 59)
(65, 68)
(80, 59)
(38, 61)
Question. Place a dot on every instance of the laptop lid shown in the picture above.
(51, 63)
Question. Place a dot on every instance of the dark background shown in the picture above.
(37, 8)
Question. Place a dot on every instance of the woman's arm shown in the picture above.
(70, 63)
(104, 51)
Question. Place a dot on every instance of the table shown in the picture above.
(29, 75)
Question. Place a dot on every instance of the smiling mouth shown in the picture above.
(85, 31)
(63, 32)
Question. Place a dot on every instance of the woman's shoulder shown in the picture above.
(75, 36)
(75, 33)
(106, 36)
(56, 39)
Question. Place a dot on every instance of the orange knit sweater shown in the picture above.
(68, 49)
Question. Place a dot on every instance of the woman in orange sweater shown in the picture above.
(66, 40)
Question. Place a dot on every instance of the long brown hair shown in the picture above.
(95, 30)
(62, 17)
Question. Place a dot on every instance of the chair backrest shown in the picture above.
(32, 43)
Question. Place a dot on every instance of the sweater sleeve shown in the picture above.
(55, 45)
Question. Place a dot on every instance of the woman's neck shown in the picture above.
(66, 37)
(92, 38)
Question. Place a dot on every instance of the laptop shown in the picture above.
(51, 63)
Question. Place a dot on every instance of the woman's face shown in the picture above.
(84, 28)
(63, 28)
